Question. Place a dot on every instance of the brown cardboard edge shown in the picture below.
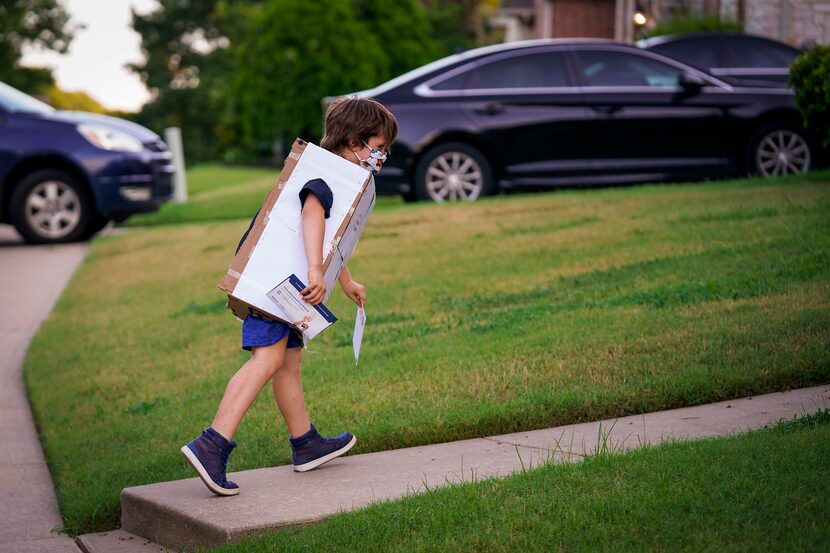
(345, 224)
(240, 260)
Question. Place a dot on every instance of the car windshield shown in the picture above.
(12, 99)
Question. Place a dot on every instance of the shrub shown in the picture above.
(685, 22)
(810, 77)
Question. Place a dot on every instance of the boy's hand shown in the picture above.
(316, 289)
(355, 292)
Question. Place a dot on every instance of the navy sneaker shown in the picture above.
(311, 450)
(208, 455)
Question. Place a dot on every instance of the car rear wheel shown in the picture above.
(451, 172)
(50, 206)
(780, 149)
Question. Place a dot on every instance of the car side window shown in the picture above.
(608, 68)
(753, 52)
(696, 52)
(542, 70)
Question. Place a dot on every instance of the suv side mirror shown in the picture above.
(690, 82)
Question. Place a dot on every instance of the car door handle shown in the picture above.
(607, 110)
(491, 108)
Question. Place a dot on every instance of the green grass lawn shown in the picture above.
(761, 491)
(220, 193)
(508, 314)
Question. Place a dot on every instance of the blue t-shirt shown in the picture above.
(318, 187)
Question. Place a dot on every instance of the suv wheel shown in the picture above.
(453, 171)
(780, 149)
(50, 206)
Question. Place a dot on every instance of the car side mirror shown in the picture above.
(690, 82)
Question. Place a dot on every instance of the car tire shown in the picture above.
(780, 149)
(453, 171)
(51, 206)
(94, 227)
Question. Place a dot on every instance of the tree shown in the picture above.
(38, 23)
(402, 29)
(186, 68)
(294, 55)
(77, 101)
(460, 24)
(176, 40)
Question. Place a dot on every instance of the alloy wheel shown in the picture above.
(454, 176)
(53, 209)
(782, 152)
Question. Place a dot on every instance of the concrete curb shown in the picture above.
(32, 279)
(184, 514)
(118, 541)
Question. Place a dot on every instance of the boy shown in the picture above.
(361, 131)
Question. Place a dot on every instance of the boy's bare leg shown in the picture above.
(288, 392)
(246, 384)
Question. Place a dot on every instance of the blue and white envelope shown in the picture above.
(309, 319)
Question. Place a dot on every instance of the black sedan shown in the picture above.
(552, 113)
(728, 55)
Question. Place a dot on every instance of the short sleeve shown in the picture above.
(319, 188)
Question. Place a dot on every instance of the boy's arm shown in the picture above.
(353, 290)
(314, 230)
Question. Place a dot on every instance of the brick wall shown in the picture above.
(583, 18)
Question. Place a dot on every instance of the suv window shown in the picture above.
(542, 70)
(608, 68)
(702, 52)
(755, 52)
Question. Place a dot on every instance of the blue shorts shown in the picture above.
(257, 332)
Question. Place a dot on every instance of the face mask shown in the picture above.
(373, 162)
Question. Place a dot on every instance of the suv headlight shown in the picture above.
(110, 139)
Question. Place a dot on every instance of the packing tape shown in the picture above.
(235, 274)
(294, 155)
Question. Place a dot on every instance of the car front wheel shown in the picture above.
(50, 206)
(780, 149)
(453, 171)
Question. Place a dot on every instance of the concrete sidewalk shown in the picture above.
(31, 279)
(183, 514)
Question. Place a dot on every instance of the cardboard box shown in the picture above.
(274, 248)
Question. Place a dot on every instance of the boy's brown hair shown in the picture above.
(356, 119)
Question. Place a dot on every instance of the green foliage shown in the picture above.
(686, 22)
(401, 30)
(287, 65)
(78, 101)
(810, 77)
(186, 67)
(38, 23)
(460, 25)
(175, 39)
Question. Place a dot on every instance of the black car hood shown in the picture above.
(133, 129)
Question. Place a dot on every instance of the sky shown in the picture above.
(96, 60)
